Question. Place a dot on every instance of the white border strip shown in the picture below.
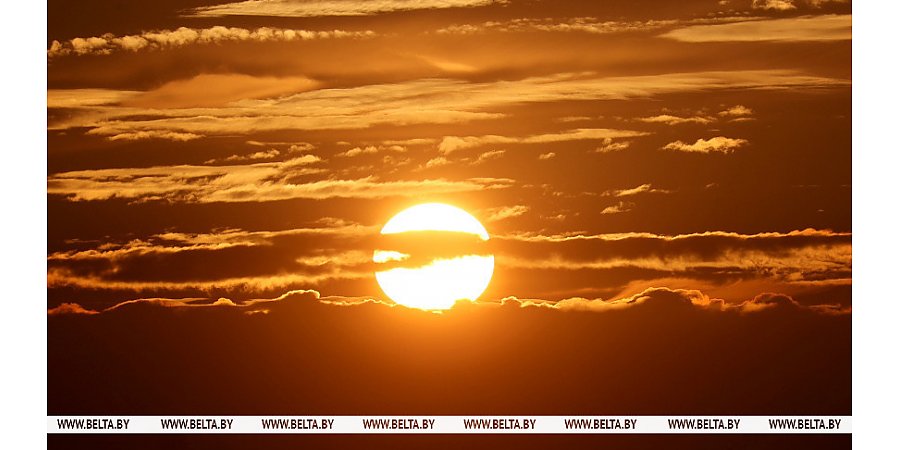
(449, 424)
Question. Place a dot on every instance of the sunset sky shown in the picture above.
(649, 173)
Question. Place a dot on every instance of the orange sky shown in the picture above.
(626, 158)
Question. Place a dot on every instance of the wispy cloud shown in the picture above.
(642, 189)
(371, 150)
(590, 25)
(153, 134)
(453, 143)
(59, 277)
(798, 258)
(324, 8)
(609, 146)
(506, 212)
(243, 183)
(809, 28)
(414, 102)
(789, 5)
(795, 257)
(805, 233)
(618, 208)
(213, 90)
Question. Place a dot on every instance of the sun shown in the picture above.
(433, 255)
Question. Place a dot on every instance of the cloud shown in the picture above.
(356, 151)
(660, 341)
(338, 252)
(778, 5)
(153, 134)
(325, 8)
(609, 146)
(265, 154)
(665, 298)
(177, 242)
(808, 28)
(644, 188)
(795, 258)
(271, 153)
(257, 182)
(371, 149)
(211, 90)
(797, 264)
(82, 98)
(655, 298)
(183, 36)
(736, 111)
(454, 143)
(70, 308)
(437, 162)
(223, 260)
(546, 156)
(719, 144)
(805, 233)
(62, 277)
(569, 119)
(487, 156)
(430, 101)
(506, 212)
(618, 208)
(591, 25)
(675, 120)
(769, 300)
(789, 5)
(410, 142)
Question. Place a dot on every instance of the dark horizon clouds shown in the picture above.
(667, 352)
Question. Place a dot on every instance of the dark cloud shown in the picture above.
(670, 352)
(69, 308)
(241, 264)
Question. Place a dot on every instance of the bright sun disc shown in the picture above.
(442, 281)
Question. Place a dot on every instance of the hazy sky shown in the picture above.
(634, 163)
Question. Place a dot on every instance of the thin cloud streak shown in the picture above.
(326, 8)
(809, 28)
(453, 143)
(244, 183)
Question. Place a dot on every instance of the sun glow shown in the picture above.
(440, 282)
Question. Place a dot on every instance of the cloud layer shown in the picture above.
(318, 8)
(356, 350)
(813, 28)
(439, 101)
(183, 36)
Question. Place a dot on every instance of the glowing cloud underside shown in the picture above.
(439, 284)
